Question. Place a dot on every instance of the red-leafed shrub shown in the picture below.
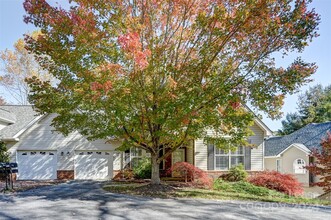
(285, 183)
(192, 174)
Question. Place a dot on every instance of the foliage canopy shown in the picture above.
(156, 74)
(314, 106)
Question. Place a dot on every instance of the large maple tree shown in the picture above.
(156, 74)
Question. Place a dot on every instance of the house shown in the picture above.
(290, 153)
(43, 153)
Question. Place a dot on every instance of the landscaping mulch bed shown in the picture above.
(21, 185)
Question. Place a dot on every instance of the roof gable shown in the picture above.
(24, 116)
(310, 136)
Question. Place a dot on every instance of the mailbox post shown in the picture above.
(8, 169)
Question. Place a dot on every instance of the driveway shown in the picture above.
(86, 200)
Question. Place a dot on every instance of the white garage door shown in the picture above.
(36, 165)
(93, 165)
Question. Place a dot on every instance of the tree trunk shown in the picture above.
(155, 179)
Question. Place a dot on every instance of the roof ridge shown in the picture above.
(17, 105)
(319, 123)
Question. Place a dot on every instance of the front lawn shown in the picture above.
(225, 191)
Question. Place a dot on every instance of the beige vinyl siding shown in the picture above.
(189, 153)
(270, 164)
(201, 154)
(257, 150)
(201, 151)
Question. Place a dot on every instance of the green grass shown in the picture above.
(221, 191)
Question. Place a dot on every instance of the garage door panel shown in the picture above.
(93, 165)
(36, 165)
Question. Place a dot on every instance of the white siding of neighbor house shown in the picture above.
(117, 160)
(41, 136)
(201, 151)
(257, 150)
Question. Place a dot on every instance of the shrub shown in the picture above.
(4, 155)
(245, 187)
(126, 174)
(220, 184)
(285, 183)
(143, 169)
(190, 173)
(235, 174)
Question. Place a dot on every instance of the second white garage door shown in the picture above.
(36, 165)
(93, 165)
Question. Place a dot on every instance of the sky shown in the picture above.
(12, 28)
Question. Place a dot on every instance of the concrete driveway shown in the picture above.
(86, 200)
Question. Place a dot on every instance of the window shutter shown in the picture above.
(210, 159)
(247, 158)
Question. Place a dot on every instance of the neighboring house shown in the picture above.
(290, 153)
(43, 153)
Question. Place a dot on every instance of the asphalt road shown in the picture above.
(86, 200)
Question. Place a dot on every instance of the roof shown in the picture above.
(7, 117)
(24, 115)
(259, 122)
(310, 136)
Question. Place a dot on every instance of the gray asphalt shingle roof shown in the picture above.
(311, 136)
(7, 116)
(23, 114)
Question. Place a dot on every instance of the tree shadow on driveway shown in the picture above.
(87, 200)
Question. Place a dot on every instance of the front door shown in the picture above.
(178, 156)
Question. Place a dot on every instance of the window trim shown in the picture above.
(295, 163)
(229, 155)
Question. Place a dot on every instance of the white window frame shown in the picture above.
(220, 155)
(236, 154)
(229, 155)
(299, 168)
(135, 154)
(278, 165)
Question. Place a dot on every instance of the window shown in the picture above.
(221, 159)
(225, 159)
(298, 166)
(278, 168)
(136, 154)
(237, 156)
